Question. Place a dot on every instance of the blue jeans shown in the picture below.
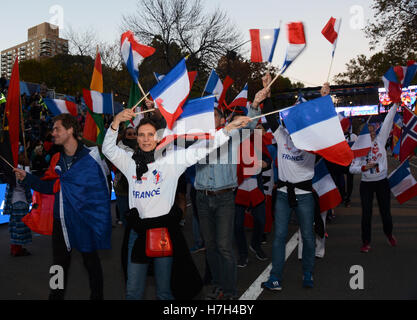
(305, 215)
(137, 273)
(217, 213)
(258, 214)
(122, 203)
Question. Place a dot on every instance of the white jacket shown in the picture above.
(154, 194)
(377, 154)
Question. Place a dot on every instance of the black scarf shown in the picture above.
(142, 159)
(131, 143)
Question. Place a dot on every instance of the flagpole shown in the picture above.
(330, 69)
(334, 50)
(270, 113)
(7, 162)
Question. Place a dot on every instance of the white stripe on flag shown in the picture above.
(97, 99)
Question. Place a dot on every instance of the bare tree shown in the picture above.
(205, 37)
(81, 43)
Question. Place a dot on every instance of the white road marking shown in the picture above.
(255, 289)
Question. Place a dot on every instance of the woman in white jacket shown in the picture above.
(152, 185)
(374, 171)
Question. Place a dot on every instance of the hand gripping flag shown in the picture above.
(296, 43)
(402, 183)
(409, 134)
(363, 144)
(195, 123)
(171, 93)
(323, 184)
(57, 106)
(331, 32)
(315, 127)
(133, 53)
(263, 44)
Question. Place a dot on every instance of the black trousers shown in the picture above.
(349, 186)
(383, 196)
(62, 257)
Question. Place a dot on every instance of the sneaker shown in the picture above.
(182, 222)
(242, 262)
(392, 241)
(347, 203)
(21, 253)
(365, 247)
(196, 249)
(260, 254)
(272, 284)
(215, 294)
(308, 281)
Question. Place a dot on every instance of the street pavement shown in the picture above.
(388, 273)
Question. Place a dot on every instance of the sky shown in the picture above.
(311, 67)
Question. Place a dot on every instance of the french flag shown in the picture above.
(331, 31)
(323, 184)
(196, 122)
(171, 93)
(133, 53)
(57, 106)
(344, 121)
(98, 102)
(393, 83)
(241, 100)
(363, 144)
(192, 75)
(214, 85)
(409, 73)
(263, 42)
(227, 83)
(402, 183)
(315, 127)
(296, 43)
(248, 193)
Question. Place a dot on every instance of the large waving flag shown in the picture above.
(409, 134)
(402, 183)
(133, 53)
(97, 79)
(263, 44)
(242, 98)
(214, 85)
(331, 31)
(296, 43)
(57, 106)
(363, 144)
(101, 103)
(192, 75)
(323, 184)
(171, 93)
(195, 122)
(13, 111)
(315, 127)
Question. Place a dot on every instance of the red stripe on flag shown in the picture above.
(296, 33)
(329, 32)
(13, 111)
(340, 153)
(361, 152)
(226, 85)
(330, 200)
(407, 195)
(256, 52)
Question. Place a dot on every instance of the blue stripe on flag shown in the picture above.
(131, 66)
(320, 171)
(276, 34)
(391, 75)
(176, 73)
(400, 174)
(107, 103)
(309, 113)
(197, 106)
(211, 82)
(50, 104)
(409, 75)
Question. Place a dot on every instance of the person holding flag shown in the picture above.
(82, 216)
(153, 180)
(374, 171)
(295, 192)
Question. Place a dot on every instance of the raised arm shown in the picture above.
(119, 157)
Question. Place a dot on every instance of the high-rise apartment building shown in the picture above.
(43, 42)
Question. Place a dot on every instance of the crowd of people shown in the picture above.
(151, 191)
